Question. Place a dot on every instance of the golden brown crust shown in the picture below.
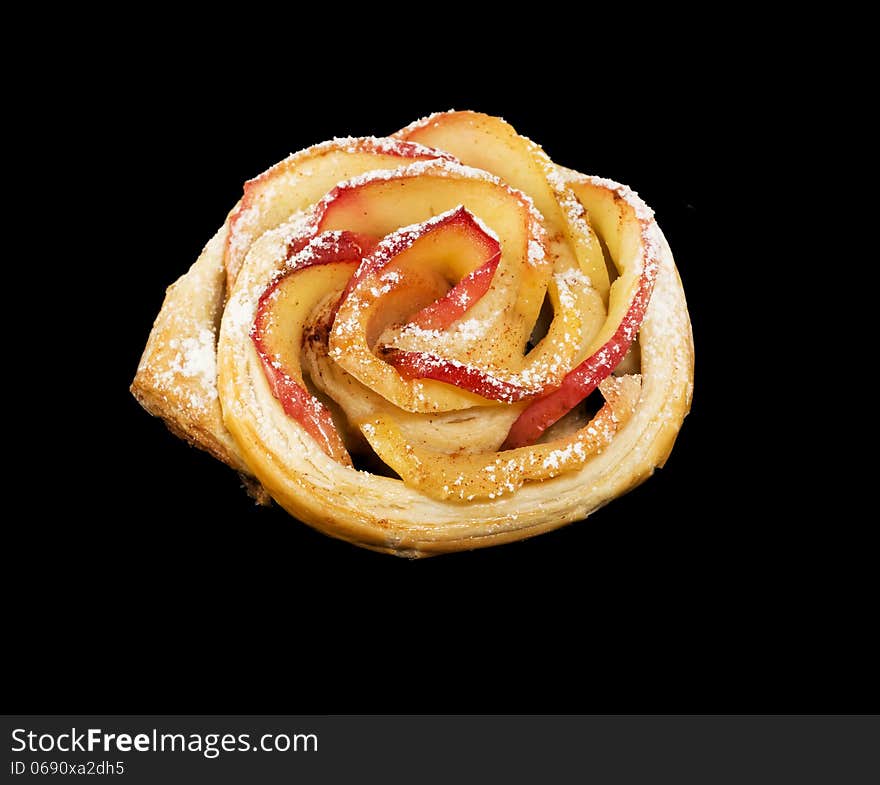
(176, 378)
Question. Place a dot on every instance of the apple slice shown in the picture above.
(456, 302)
(328, 247)
(626, 226)
(452, 243)
(490, 143)
(468, 476)
(318, 272)
(302, 179)
(583, 379)
(422, 365)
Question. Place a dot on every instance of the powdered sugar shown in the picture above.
(196, 356)
(434, 168)
(485, 227)
(567, 283)
(191, 374)
(240, 311)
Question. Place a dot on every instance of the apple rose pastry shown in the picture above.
(431, 342)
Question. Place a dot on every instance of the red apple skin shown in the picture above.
(421, 365)
(459, 299)
(405, 150)
(586, 377)
(472, 286)
(297, 402)
(324, 249)
(307, 410)
(350, 246)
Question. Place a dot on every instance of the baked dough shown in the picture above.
(586, 246)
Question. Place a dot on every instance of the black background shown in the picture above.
(146, 580)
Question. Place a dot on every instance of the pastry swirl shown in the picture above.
(431, 342)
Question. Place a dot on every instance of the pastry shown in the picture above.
(431, 342)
